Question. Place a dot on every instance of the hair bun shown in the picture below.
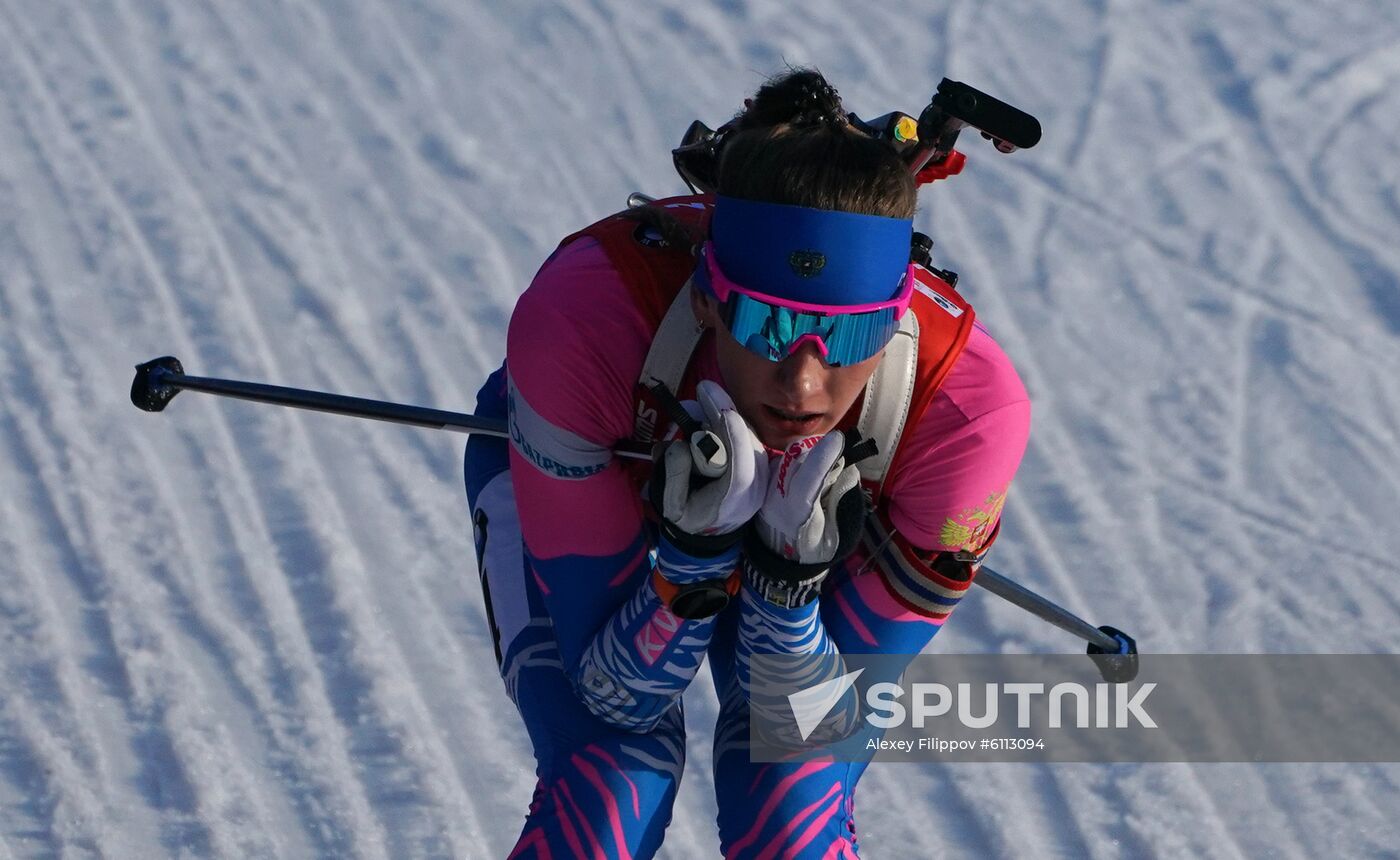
(793, 144)
(821, 104)
(802, 97)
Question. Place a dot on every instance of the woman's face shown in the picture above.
(787, 400)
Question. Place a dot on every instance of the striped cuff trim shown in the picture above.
(910, 579)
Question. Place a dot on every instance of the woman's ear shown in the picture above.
(705, 307)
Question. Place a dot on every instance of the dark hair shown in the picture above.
(794, 145)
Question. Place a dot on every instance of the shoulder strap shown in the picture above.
(944, 323)
(666, 362)
(887, 398)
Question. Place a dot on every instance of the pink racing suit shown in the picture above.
(590, 655)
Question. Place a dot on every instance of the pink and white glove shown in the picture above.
(811, 517)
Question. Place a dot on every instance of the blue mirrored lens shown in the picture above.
(769, 331)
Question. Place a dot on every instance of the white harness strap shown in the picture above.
(668, 357)
(887, 396)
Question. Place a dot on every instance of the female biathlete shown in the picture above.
(785, 310)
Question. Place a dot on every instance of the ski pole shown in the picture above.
(1114, 651)
(159, 380)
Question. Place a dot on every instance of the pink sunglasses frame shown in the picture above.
(723, 286)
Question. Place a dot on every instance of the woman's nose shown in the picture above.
(802, 372)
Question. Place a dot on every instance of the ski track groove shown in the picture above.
(431, 610)
(433, 89)
(1074, 474)
(1380, 58)
(46, 623)
(1240, 453)
(410, 165)
(290, 258)
(51, 758)
(433, 780)
(1228, 79)
(964, 818)
(551, 85)
(274, 673)
(412, 520)
(463, 803)
(63, 509)
(161, 733)
(1102, 57)
(144, 250)
(641, 135)
(1335, 329)
(1061, 815)
(482, 238)
(1306, 540)
(69, 818)
(61, 734)
(245, 663)
(130, 635)
(441, 384)
(285, 257)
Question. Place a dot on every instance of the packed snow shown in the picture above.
(238, 630)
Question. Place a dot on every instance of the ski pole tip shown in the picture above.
(1120, 666)
(149, 391)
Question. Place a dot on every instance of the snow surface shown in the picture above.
(239, 630)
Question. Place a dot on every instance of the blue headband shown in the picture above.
(810, 255)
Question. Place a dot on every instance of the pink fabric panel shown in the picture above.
(598, 516)
(576, 344)
(969, 443)
(574, 350)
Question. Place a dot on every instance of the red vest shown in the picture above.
(655, 272)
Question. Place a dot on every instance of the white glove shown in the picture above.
(705, 497)
(811, 517)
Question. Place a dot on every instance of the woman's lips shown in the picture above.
(793, 423)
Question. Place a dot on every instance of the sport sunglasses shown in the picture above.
(774, 328)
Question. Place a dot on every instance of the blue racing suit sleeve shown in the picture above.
(628, 656)
(574, 352)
